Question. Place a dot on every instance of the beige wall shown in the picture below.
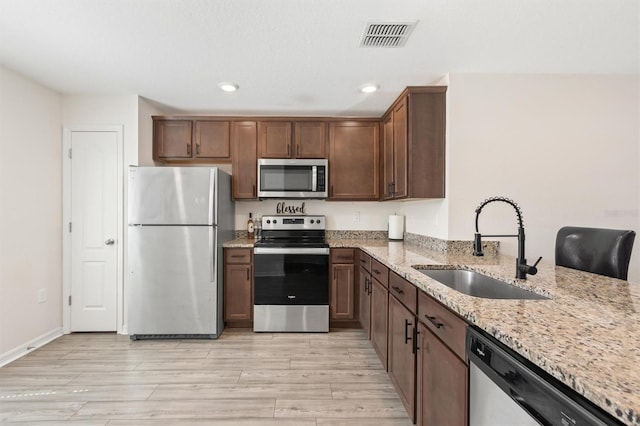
(565, 148)
(30, 210)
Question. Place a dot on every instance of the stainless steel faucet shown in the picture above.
(522, 269)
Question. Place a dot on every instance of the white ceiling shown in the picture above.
(301, 57)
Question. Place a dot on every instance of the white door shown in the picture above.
(94, 227)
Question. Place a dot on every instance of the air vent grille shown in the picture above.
(386, 34)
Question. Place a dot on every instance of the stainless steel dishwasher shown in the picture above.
(507, 390)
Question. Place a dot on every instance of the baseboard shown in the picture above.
(29, 346)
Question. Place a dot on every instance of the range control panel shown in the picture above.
(293, 222)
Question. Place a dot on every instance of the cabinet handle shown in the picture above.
(393, 188)
(389, 189)
(188, 149)
(248, 275)
(197, 149)
(331, 192)
(406, 331)
(237, 255)
(363, 261)
(414, 348)
(288, 150)
(297, 149)
(398, 289)
(334, 273)
(433, 320)
(377, 272)
(254, 190)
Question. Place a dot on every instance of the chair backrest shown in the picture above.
(601, 251)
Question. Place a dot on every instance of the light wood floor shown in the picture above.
(243, 378)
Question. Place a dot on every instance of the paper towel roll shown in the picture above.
(396, 227)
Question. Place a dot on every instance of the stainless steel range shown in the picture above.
(291, 275)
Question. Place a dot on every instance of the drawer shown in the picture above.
(404, 291)
(380, 272)
(449, 327)
(342, 255)
(237, 255)
(365, 260)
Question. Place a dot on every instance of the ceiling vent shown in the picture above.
(386, 34)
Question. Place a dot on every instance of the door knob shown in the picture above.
(110, 242)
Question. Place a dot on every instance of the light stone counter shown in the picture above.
(587, 335)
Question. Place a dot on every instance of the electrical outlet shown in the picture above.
(356, 217)
(42, 295)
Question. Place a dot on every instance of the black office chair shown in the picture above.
(601, 251)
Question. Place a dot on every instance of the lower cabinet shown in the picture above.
(442, 383)
(402, 359)
(238, 286)
(342, 295)
(379, 320)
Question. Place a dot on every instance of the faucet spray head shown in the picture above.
(477, 245)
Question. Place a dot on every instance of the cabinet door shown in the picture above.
(342, 292)
(274, 139)
(245, 159)
(172, 138)
(310, 139)
(353, 161)
(442, 383)
(386, 190)
(365, 301)
(379, 311)
(402, 361)
(238, 292)
(400, 149)
(212, 140)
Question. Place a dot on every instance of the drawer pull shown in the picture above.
(363, 261)
(398, 289)
(237, 255)
(377, 272)
(406, 331)
(433, 321)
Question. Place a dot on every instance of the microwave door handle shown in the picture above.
(314, 178)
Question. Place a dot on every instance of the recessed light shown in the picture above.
(369, 88)
(228, 87)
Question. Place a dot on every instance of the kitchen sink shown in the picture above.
(478, 285)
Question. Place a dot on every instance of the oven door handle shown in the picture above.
(290, 250)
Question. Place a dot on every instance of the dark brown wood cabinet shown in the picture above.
(402, 359)
(342, 293)
(274, 139)
(191, 139)
(310, 139)
(364, 295)
(442, 371)
(413, 145)
(353, 160)
(238, 286)
(379, 320)
(244, 180)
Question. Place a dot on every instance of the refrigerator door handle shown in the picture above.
(212, 254)
(212, 194)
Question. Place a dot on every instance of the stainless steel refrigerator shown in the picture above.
(178, 219)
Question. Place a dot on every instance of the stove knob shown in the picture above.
(268, 221)
(311, 221)
(275, 221)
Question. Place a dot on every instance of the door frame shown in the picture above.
(66, 218)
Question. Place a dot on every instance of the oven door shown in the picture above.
(291, 276)
(291, 289)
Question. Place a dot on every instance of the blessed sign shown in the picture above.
(283, 208)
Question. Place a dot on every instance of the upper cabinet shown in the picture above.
(299, 139)
(310, 139)
(244, 135)
(188, 139)
(413, 145)
(353, 160)
(274, 139)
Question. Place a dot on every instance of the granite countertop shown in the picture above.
(587, 334)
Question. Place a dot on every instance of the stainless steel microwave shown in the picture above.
(284, 178)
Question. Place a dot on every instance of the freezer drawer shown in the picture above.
(172, 272)
(172, 195)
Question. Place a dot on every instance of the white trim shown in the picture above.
(29, 346)
(66, 218)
